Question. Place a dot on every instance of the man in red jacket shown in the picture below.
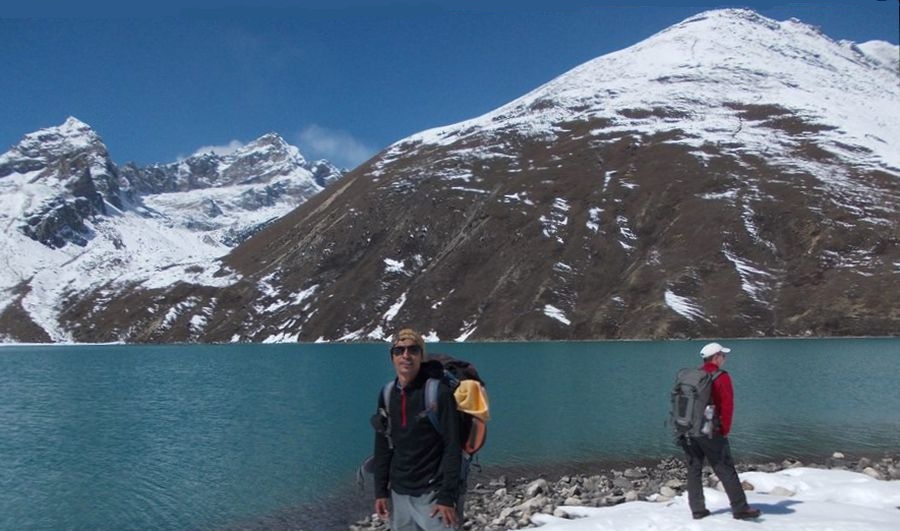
(715, 448)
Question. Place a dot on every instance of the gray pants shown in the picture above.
(413, 513)
(718, 453)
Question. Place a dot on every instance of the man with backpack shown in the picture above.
(416, 465)
(703, 431)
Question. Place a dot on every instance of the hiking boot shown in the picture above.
(701, 514)
(744, 514)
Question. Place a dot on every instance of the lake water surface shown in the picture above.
(238, 436)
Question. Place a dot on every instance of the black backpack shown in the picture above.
(472, 430)
(689, 398)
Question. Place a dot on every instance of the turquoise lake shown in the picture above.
(269, 436)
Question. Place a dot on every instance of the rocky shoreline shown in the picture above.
(501, 503)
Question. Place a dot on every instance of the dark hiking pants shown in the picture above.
(718, 453)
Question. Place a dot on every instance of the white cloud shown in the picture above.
(338, 147)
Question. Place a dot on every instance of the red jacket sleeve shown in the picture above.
(723, 398)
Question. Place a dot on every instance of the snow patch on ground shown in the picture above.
(629, 240)
(395, 266)
(753, 280)
(684, 306)
(468, 329)
(301, 296)
(555, 313)
(832, 500)
(555, 223)
(377, 334)
(593, 222)
(394, 309)
(518, 197)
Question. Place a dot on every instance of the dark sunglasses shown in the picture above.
(414, 350)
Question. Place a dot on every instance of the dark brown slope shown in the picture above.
(492, 261)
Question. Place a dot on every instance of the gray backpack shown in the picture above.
(690, 396)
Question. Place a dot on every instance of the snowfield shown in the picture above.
(799, 499)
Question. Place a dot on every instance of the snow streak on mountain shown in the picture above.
(730, 176)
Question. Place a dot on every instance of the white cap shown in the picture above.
(711, 349)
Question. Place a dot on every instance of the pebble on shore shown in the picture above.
(502, 503)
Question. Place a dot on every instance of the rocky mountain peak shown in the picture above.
(270, 139)
(49, 149)
(74, 127)
(71, 135)
(77, 181)
(324, 172)
(265, 155)
(881, 52)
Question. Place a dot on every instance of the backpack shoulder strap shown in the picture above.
(386, 395)
(717, 373)
(382, 418)
(431, 403)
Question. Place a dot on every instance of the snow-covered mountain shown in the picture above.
(73, 221)
(730, 176)
(721, 78)
(232, 196)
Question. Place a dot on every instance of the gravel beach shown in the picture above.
(508, 500)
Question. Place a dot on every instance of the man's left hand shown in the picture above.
(447, 514)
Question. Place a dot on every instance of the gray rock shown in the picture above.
(781, 491)
(894, 472)
(668, 492)
(537, 486)
(533, 504)
(614, 500)
(634, 473)
(622, 483)
(675, 484)
(871, 472)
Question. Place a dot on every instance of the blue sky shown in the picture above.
(341, 80)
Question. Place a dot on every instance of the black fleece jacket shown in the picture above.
(422, 460)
